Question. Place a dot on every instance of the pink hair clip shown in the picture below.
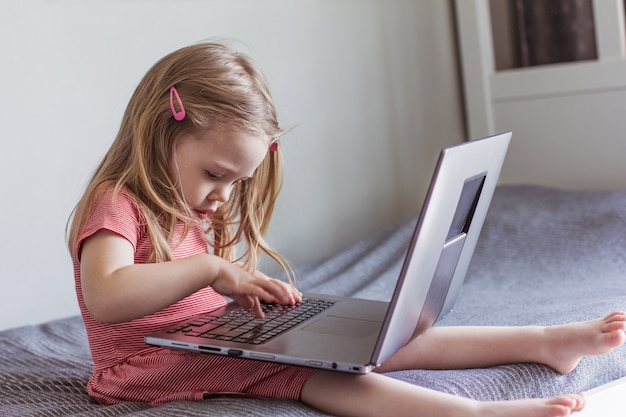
(178, 114)
(273, 146)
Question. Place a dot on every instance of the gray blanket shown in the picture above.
(545, 256)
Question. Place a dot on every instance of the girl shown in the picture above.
(196, 160)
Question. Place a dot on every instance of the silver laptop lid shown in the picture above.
(443, 241)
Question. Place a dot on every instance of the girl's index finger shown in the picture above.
(256, 309)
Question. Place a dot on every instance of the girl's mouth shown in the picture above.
(203, 214)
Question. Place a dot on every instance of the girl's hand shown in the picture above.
(248, 290)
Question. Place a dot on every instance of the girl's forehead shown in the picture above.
(231, 147)
(230, 132)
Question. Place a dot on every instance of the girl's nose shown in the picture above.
(220, 194)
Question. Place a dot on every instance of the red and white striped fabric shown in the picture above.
(126, 369)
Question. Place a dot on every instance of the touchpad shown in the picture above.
(344, 326)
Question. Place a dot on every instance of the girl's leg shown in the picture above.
(378, 395)
(560, 347)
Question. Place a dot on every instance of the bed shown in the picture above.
(545, 256)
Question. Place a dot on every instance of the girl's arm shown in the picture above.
(115, 289)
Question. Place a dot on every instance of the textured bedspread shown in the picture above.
(545, 256)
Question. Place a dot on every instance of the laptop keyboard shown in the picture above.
(240, 325)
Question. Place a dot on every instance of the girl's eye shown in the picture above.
(213, 176)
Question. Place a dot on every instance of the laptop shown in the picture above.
(357, 335)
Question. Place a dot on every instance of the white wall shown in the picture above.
(369, 85)
(571, 141)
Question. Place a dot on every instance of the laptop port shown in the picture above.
(209, 348)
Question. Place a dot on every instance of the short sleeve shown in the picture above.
(118, 213)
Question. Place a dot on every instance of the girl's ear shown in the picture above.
(274, 146)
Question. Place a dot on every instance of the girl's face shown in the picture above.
(207, 163)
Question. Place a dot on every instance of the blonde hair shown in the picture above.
(216, 85)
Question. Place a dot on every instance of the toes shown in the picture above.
(578, 402)
(618, 337)
(613, 339)
(614, 321)
(613, 326)
(616, 316)
(574, 402)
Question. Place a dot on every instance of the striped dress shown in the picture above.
(125, 369)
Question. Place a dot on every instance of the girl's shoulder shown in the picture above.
(109, 189)
(115, 209)
(110, 202)
(109, 194)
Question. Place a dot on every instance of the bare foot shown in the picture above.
(561, 406)
(567, 344)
